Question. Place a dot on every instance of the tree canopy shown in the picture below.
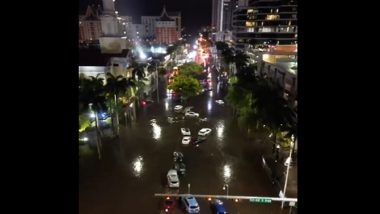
(185, 86)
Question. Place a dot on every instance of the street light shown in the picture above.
(225, 187)
(287, 169)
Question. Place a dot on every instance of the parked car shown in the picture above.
(191, 114)
(169, 204)
(178, 108)
(178, 157)
(173, 180)
(204, 132)
(185, 131)
(180, 167)
(221, 102)
(217, 207)
(203, 119)
(190, 204)
(186, 140)
(198, 141)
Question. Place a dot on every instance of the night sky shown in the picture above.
(195, 13)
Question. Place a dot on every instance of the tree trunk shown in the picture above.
(98, 136)
(97, 124)
(117, 117)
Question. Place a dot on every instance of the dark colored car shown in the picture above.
(217, 207)
(178, 157)
(198, 141)
(180, 167)
(169, 204)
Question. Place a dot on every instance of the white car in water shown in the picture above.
(173, 181)
(191, 114)
(186, 140)
(178, 108)
(185, 131)
(220, 102)
(204, 131)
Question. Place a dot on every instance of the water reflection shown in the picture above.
(220, 129)
(156, 129)
(137, 166)
(166, 105)
(227, 173)
(209, 105)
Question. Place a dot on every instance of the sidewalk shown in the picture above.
(276, 171)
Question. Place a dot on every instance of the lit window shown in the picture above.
(262, 23)
(272, 17)
(249, 24)
(289, 23)
(277, 11)
(250, 11)
(268, 29)
(295, 35)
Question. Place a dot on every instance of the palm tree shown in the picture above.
(138, 70)
(115, 87)
(275, 112)
(91, 96)
(241, 60)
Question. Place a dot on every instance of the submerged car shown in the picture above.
(180, 167)
(173, 180)
(186, 140)
(190, 204)
(204, 131)
(185, 131)
(217, 207)
(191, 114)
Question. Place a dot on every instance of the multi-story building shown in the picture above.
(125, 23)
(165, 29)
(149, 25)
(215, 16)
(150, 22)
(265, 22)
(279, 65)
(90, 26)
(222, 18)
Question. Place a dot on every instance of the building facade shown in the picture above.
(112, 39)
(165, 29)
(150, 24)
(221, 22)
(90, 26)
(265, 22)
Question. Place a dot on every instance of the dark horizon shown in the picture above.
(195, 13)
